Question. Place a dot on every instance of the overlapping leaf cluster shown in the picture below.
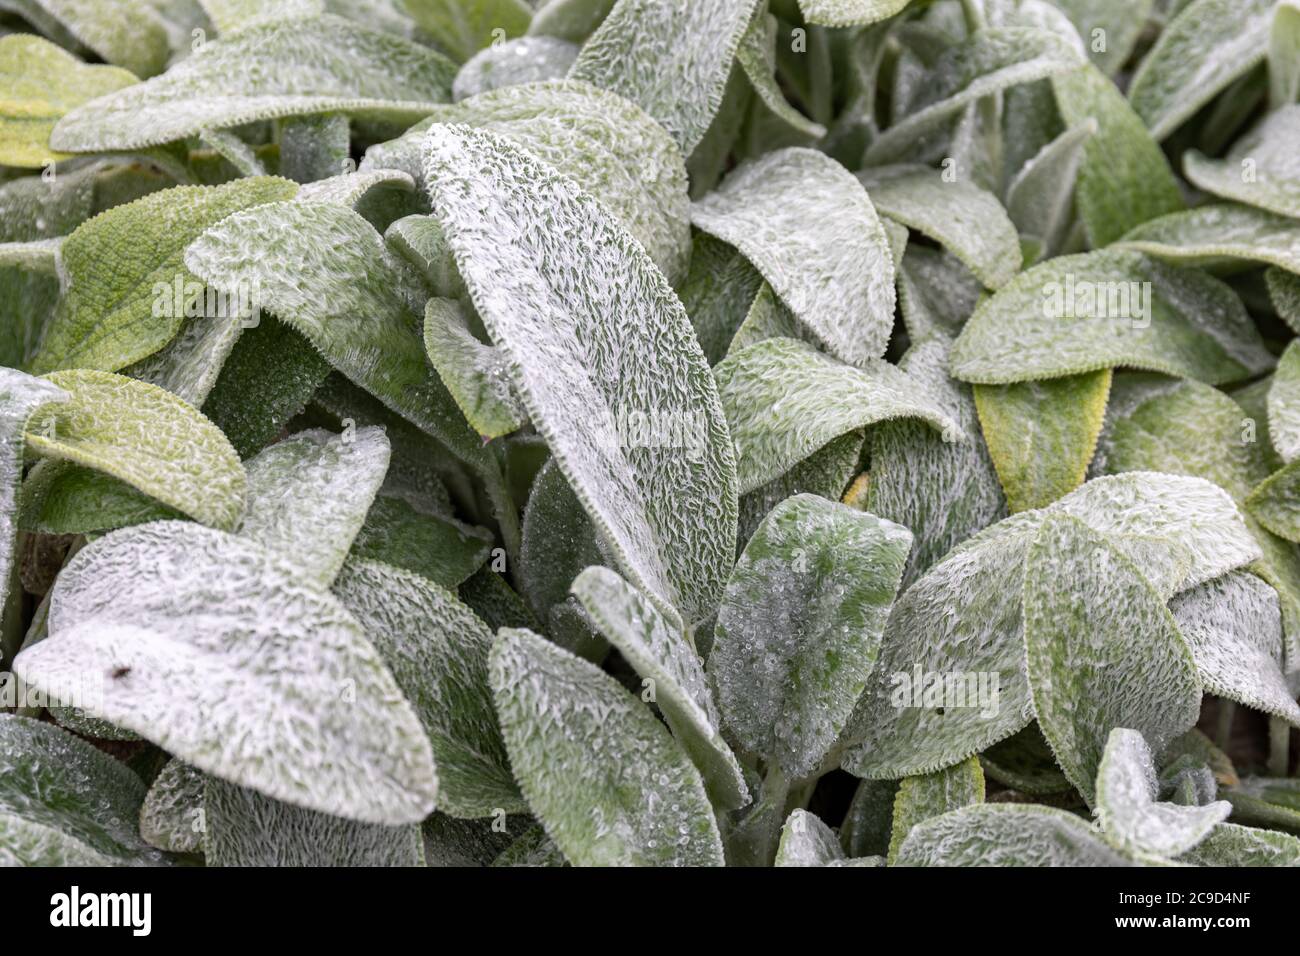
(650, 432)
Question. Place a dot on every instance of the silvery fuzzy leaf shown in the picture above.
(1042, 435)
(1125, 179)
(1040, 199)
(112, 316)
(936, 293)
(533, 848)
(1261, 169)
(932, 795)
(629, 409)
(559, 541)
(807, 841)
(42, 83)
(1284, 405)
(65, 803)
(126, 33)
(825, 473)
(671, 675)
(756, 56)
(462, 27)
(959, 629)
(1233, 626)
(943, 491)
(960, 216)
(495, 602)
(145, 437)
(530, 59)
(1198, 54)
(602, 775)
(1284, 292)
(810, 229)
(308, 497)
(800, 626)
(450, 842)
(230, 16)
(172, 817)
(474, 372)
(23, 396)
(247, 828)
(606, 144)
(784, 400)
(572, 20)
(1050, 321)
(1230, 844)
(207, 645)
(987, 62)
(1007, 835)
(1208, 234)
(271, 373)
(353, 188)
(717, 293)
(436, 547)
(1127, 809)
(768, 318)
(62, 498)
(850, 13)
(869, 820)
(437, 650)
(190, 365)
(268, 71)
(1275, 505)
(1025, 762)
(351, 298)
(1117, 24)
(670, 57)
(1089, 613)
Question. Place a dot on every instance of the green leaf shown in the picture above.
(473, 372)
(936, 293)
(1109, 308)
(1089, 613)
(1041, 197)
(1268, 802)
(603, 776)
(932, 795)
(1284, 55)
(1125, 179)
(1128, 811)
(1042, 435)
(62, 498)
(1118, 24)
(267, 71)
(126, 33)
(559, 541)
(717, 293)
(463, 27)
(958, 215)
(958, 632)
(441, 549)
(826, 473)
(1233, 626)
(308, 497)
(246, 828)
(849, 13)
(784, 400)
(800, 627)
(1201, 237)
(985, 63)
(271, 373)
(869, 819)
(534, 848)
(190, 365)
(214, 651)
(438, 650)
(1198, 54)
(670, 58)
(230, 16)
(42, 83)
(323, 270)
(1275, 503)
(172, 817)
(629, 409)
(514, 63)
(1007, 835)
(671, 676)
(65, 803)
(808, 226)
(1024, 762)
(128, 291)
(768, 318)
(944, 491)
(1230, 844)
(1284, 405)
(1284, 292)
(1261, 169)
(146, 437)
(756, 56)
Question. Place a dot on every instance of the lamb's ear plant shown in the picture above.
(693, 432)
